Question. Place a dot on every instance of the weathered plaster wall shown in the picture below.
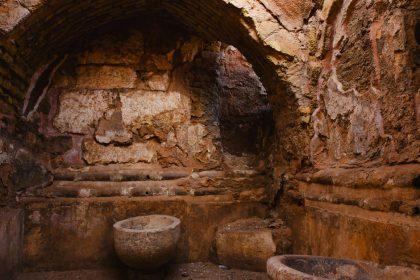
(366, 91)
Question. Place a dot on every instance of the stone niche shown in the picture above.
(155, 95)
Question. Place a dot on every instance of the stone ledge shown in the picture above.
(373, 216)
(404, 176)
(123, 174)
(184, 187)
(120, 175)
(397, 199)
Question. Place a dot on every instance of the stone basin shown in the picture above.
(146, 242)
(296, 267)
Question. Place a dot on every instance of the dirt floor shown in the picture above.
(191, 271)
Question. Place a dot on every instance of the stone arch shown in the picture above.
(33, 31)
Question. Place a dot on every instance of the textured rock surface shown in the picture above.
(95, 153)
(354, 53)
(105, 77)
(143, 106)
(12, 12)
(112, 130)
(356, 119)
(79, 112)
(20, 171)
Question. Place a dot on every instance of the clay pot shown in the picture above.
(146, 242)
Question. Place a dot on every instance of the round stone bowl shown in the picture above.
(288, 267)
(146, 242)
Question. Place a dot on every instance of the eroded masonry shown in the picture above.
(211, 133)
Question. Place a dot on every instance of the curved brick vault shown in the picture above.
(270, 36)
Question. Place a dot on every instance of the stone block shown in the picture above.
(159, 82)
(112, 130)
(12, 13)
(105, 77)
(191, 138)
(110, 49)
(142, 106)
(79, 111)
(246, 244)
(95, 153)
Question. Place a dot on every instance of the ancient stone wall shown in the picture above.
(344, 62)
(216, 20)
(154, 95)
